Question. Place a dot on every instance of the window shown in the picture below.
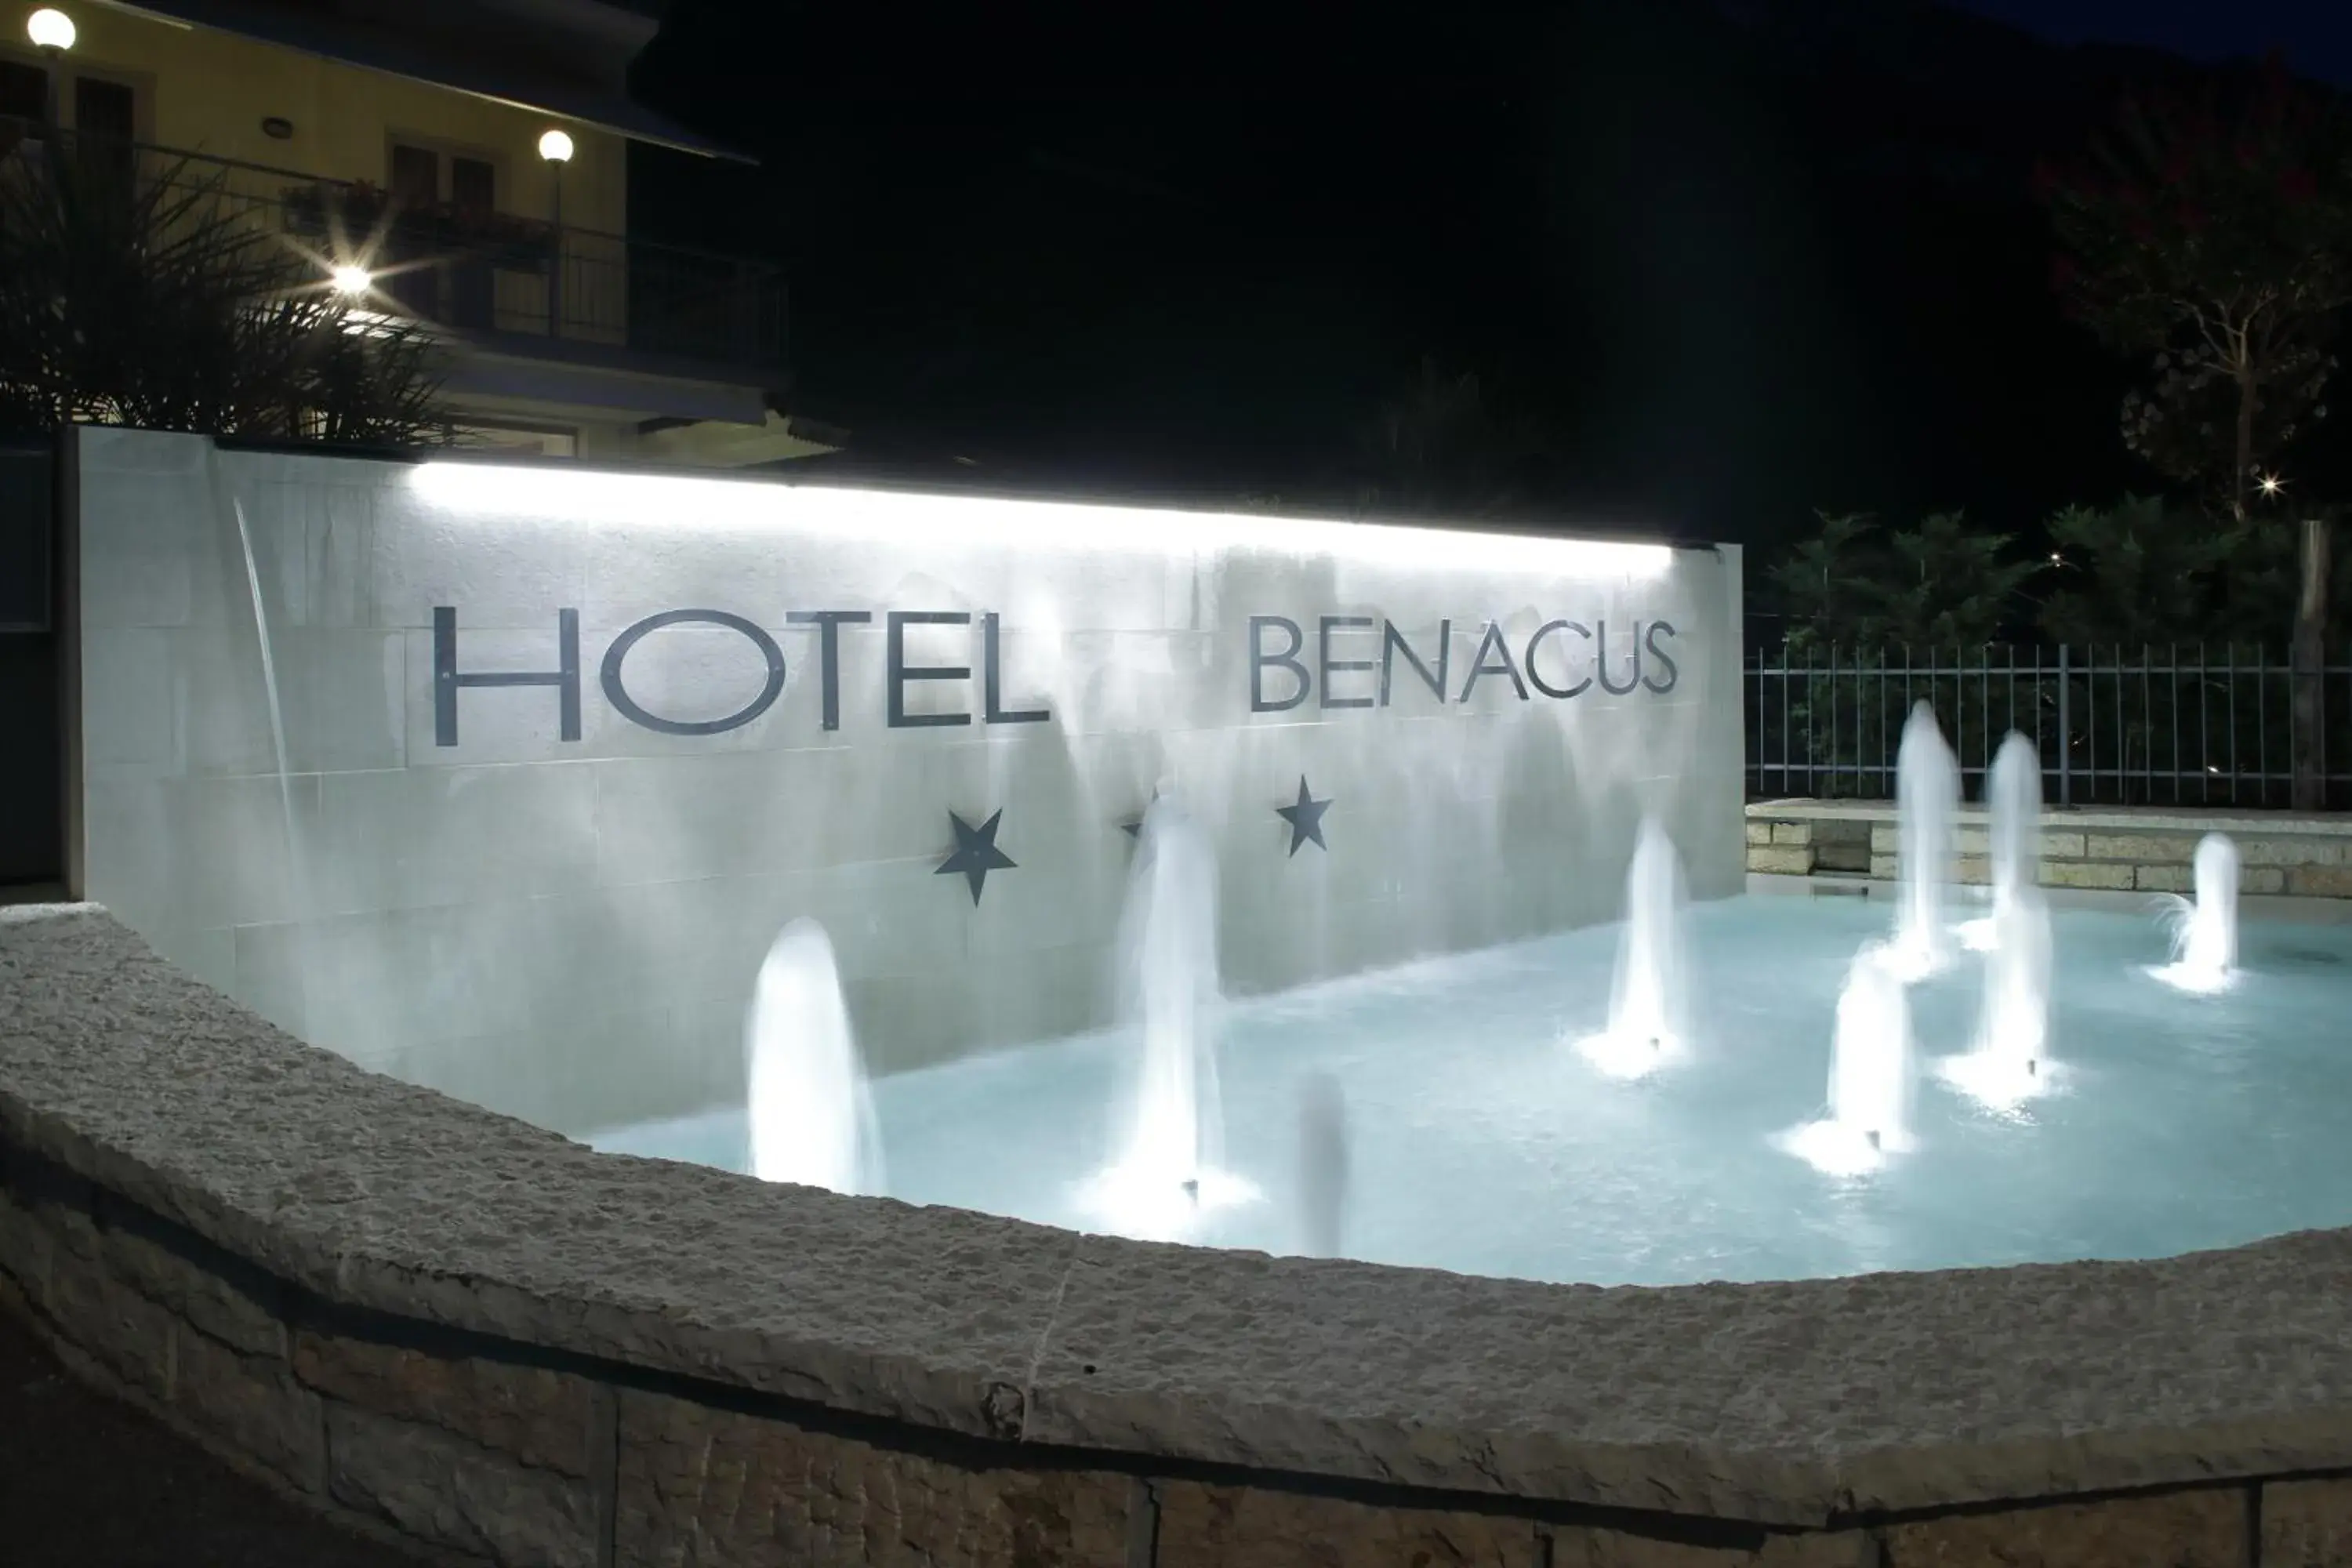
(473, 286)
(98, 102)
(409, 244)
(24, 95)
(473, 185)
(105, 124)
(105, 109)
(441, 272)
(415, 175)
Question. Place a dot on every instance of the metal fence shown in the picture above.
(2175, 726)
(480, 269)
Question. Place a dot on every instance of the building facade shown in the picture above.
(464, 164)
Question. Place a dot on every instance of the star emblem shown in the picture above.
(1306, 818)
(976, 854)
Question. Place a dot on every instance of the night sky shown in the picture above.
(1730, 260)
(2316, 36)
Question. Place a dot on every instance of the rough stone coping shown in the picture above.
(1784, 1404)
(2056, 818)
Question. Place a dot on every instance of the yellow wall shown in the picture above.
(208, 92)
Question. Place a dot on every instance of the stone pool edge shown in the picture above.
(493, 1340)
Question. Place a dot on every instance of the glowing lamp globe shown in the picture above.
(50, 29)
(555, 146)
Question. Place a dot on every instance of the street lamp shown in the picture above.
(555, 147)
(352, 282)
(52, 32)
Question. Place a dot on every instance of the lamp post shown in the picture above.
(555, 148)
(52, 32)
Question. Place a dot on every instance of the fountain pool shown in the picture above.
(1480, 1142)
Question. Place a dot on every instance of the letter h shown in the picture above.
(446, 678)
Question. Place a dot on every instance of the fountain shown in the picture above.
(1322, 1165)
(298, 878)
(2013, 796)
(811, 1113)
(1168, 1175)
(2205, 933)
(1871, 1084)
(1926, 797)
(1647, 1003)
(2008, 1063)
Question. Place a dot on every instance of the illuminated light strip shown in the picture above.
(968, 522)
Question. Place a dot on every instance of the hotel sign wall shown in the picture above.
(1368, 682)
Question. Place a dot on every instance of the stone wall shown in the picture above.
(462, 1332)
(496, 1450)
(2116, 851)
(553, 903)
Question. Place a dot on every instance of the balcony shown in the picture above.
(514, 283)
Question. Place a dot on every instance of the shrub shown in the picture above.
(144, 295)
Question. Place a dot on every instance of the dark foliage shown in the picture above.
(1441, 449)
(2145, 572)
(2213, 242)
(1938, 585)
(142, 296)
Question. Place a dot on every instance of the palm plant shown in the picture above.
(147, 297)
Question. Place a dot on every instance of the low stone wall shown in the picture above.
(2120, 851)
(497, 1346)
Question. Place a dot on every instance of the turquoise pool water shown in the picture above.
(1481, 1142)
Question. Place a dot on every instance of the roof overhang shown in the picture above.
(354, 40)
(486, 374)
(716, 444)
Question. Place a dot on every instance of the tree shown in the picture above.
(1826, 585)
(1939, 585)
(1873, 596)
(2266, 571)
(2227, 258)
(1438, 449)
(145, 297)
(2139, 574)
(2222, 254)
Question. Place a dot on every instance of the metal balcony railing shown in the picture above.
(485, 273)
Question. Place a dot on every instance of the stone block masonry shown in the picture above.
(701, 1485)
(2114, 851)
(2090, 873)
(2312, 882)
(466, 1334)
(1785, 859)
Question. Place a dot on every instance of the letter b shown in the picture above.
(1288, 658)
